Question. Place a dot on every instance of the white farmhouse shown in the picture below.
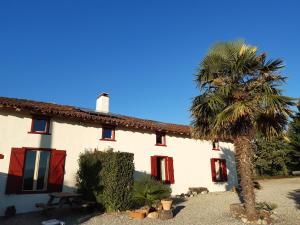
(40, 144)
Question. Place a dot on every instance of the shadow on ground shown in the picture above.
(177, 201)
(178, 209)
(295, 195)
(68, 216)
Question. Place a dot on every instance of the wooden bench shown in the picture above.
(45, 207)
(59, 199)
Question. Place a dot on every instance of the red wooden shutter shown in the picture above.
(56, 170)
(154, 166)
(15, 173)
(224, 169)
(213, 170)
(170, 173)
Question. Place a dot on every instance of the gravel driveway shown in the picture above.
(210, 209)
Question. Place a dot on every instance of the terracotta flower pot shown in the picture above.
(137, 214)
(166, 204)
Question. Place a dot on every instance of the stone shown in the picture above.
(237, 210)
(274, 216)
(244, 220)
(153, 215)
(264, 222)
(198, 190)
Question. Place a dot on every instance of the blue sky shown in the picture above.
(143, 53)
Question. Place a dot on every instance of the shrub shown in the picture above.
(268, 206)
(257, 185)
(147, 190)
(271, 157)
(117, 180)
(107, 177)
(88, 175)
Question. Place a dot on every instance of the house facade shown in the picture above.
(40, 144)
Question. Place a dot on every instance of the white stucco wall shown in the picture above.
(191, 158)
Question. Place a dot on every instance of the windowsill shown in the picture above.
(103, 139)
(162, 145)
(216, 149)
(36, 132)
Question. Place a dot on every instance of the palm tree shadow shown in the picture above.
(177, 201)
(178, 209)
(295, 195)
(233, 176)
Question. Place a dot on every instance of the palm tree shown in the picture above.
(239, 97)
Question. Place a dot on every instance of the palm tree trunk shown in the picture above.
(243, 148)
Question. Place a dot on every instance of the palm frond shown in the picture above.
(240, 93)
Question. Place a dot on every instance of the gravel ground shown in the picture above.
(213, 208)
(286, 194)
(210, 209)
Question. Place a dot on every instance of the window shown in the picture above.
(36, 170)
(216, 145)
(162, 168)
(40, 125)
(108, 134)
(160, 139)
(218, 170)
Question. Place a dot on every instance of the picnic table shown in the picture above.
(63, 198)
(59, 199)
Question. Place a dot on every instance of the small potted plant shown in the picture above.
(167, 204)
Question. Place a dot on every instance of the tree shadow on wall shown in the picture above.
(232, 172)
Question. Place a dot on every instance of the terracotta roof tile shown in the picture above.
(81, 114)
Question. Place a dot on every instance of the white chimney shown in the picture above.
(102, 103)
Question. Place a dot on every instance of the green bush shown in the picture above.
(107, 177)
(257, 185)
(147, 191)
(88, 175)
(268, 206)
(117, 180)
(271, 157)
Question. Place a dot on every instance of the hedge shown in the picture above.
(107, 177)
